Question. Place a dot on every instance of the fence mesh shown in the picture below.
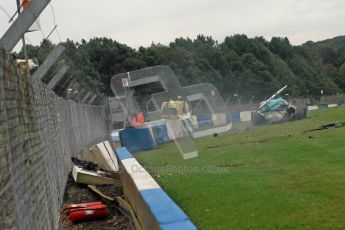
(39, 132)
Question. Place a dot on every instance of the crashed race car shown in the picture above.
(277, 110)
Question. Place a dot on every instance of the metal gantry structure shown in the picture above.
(16, 32)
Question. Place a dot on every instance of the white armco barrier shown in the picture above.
(246, 116)
(219, 119)
(332, 105)
(313, 107)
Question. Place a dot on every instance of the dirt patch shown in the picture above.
(76, 193)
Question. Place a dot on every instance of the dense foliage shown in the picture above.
(246, 66)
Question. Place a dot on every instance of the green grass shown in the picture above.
(271, 177)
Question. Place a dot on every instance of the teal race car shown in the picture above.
(277, 110)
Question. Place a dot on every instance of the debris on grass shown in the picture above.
(328, 126)
(212, 147)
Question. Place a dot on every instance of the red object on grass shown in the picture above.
(90, 213)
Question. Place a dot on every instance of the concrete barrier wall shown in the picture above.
(152, 206)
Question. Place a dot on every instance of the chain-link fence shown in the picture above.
(39, 132)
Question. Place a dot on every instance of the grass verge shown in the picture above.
(270, 177)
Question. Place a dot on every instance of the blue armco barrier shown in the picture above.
(166, 212)
(114, 138)
(323, 106)
(123, 154)
(153, 207)
(235, 117)
(137, 139)
(161, 133)
(204, 120)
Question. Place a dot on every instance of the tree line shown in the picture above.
(249, 67)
